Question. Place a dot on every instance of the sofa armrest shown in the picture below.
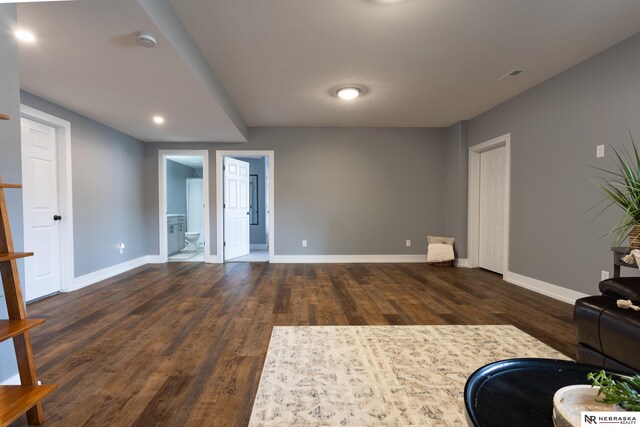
(627, 288)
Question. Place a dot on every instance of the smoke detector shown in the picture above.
(145, 39)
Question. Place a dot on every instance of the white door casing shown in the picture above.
(236, 208)
(474, 229)
(270, 172)
(41, 203)
(491, 221)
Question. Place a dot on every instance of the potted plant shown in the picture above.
(621, 187)
(622, 391)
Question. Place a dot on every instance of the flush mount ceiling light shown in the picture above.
(25, 36)
(348, 92)
(158, 120)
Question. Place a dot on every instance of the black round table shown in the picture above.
(519, 392)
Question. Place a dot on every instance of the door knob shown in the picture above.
(57, 217)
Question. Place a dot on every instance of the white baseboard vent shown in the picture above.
(554, 291)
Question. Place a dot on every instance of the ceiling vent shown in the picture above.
(510, 74)
(145, 39)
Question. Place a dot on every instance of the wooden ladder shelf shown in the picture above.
(15, 400)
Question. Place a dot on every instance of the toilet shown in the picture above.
(192, 240)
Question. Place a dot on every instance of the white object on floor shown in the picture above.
(439, 252)
(192, 240)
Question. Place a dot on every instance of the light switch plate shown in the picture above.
(599, 151)
(304, 243)
(604, 275)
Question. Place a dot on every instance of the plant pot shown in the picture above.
(634, 237)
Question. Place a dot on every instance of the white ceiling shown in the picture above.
(425, 62)
(85, 60)
(194, 162)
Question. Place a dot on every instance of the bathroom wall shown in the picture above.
(177, 175)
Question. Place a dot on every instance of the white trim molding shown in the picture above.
(162, 200)
(220, 155)
(474, 198)
(554, 291)
(65, 190)
(12, 380)
(346, 259)
(109, 272)
(462, 262)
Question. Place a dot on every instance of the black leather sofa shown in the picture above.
(607, 335)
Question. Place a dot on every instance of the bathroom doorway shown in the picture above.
(183, 206)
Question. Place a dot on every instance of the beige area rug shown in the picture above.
(379, 375)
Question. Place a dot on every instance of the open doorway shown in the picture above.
(245, 195)
(183, 206)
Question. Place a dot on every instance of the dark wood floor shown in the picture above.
(184, 343)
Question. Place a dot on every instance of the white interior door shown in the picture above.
(491, 239)
(40, 205)
(236, 208)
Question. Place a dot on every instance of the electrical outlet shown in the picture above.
(599, 151)
(408, 243)
(121, 247)
(304, 243)
(604, 275)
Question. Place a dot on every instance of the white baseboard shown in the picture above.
(155, 259)
(106, 273)
(544, 288)
(257, 246)
(462, 262)
(13, 380)
(346, 259)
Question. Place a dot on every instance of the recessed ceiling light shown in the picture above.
(25, 36)
(158, 120)
(348, 93)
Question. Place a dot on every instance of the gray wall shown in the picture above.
(108, 190)
(555, 128)
(177, 175)
(456, 183)
(10, 160)
(345, 190)
(258, 232)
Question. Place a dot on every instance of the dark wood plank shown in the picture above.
(184, 343)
